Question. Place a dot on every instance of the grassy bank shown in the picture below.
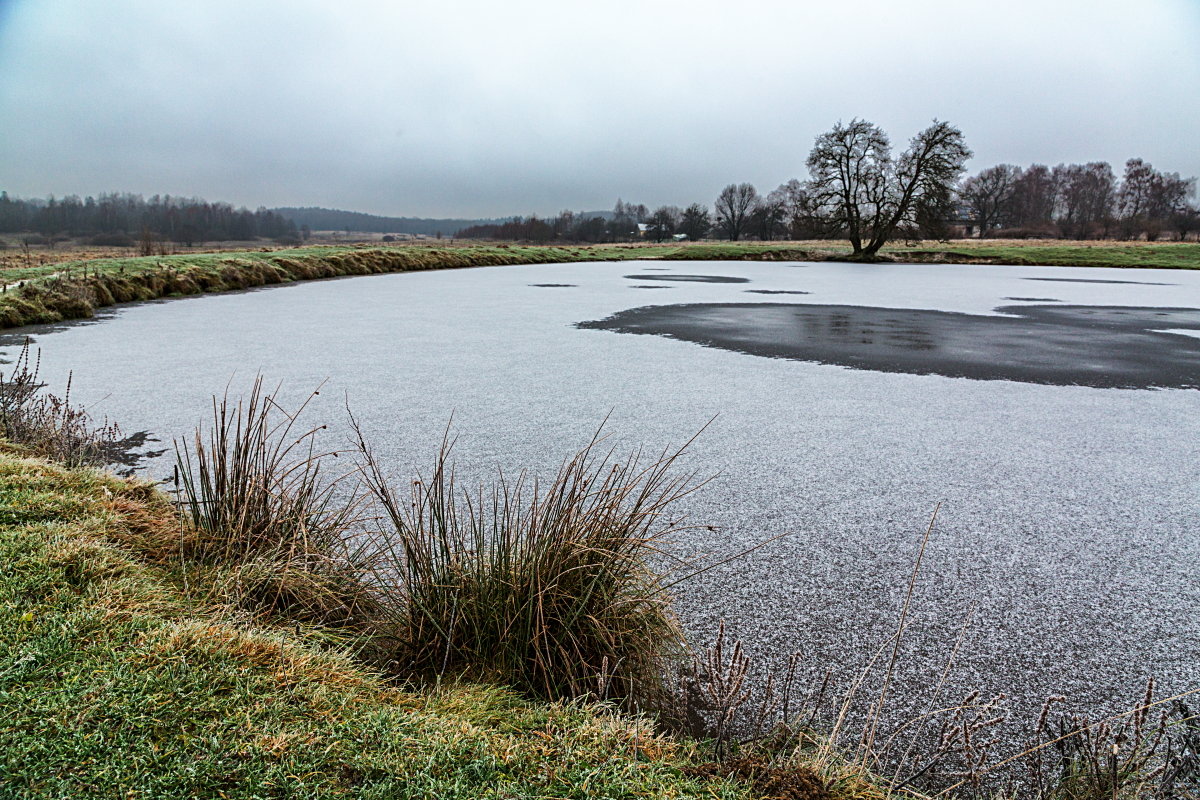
(47, 293)
(249, 638)
(74, 290)
(119, 679)
(1177, 255)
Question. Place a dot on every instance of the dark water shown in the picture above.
(1069, 528)
(690, 278)
(1097, 346)
(1101, 280)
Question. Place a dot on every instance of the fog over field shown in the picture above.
(480, 109)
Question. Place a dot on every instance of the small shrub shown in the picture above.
(148, 242)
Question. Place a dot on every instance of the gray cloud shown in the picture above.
(482, 108)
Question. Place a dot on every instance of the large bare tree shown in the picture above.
(867, 195)
(734, 205)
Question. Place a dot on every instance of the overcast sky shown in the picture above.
(482, 108)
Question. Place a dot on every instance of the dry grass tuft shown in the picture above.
(255, 501)
(544, 586)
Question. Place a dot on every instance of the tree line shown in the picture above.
(119, 218)
(859, 191)
(1081, 201)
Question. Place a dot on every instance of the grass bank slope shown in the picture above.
(120, 679)
(1176, 255)
(74, 290)
(47, 293)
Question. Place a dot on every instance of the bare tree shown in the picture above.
(1034, 198)
(662, 223)
(867, 196)
(1185, 220)
(769, 218)
(1086, 195)
(989, 196)
(1136, 195)
(625, 220)
(563, 225)
(1149, 200)
(799, 212)
(695, 222)
(733, 208)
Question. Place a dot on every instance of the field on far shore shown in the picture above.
(17, 263)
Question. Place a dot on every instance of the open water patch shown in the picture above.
(555, 285)
(1035, 299)
(1097, 346)
(690, 278)
(1098, 280)
(776, 291)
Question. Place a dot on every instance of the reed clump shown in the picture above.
(545, 586)
(257, 507)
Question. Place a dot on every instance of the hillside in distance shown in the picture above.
(331, 219)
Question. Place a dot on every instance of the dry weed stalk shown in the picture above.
(50, 425)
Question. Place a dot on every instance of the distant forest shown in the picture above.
(117, 219)
(329, 219)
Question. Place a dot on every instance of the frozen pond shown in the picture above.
(1071, 513)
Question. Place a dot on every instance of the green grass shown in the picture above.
(116, 680)
(1085, 254)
